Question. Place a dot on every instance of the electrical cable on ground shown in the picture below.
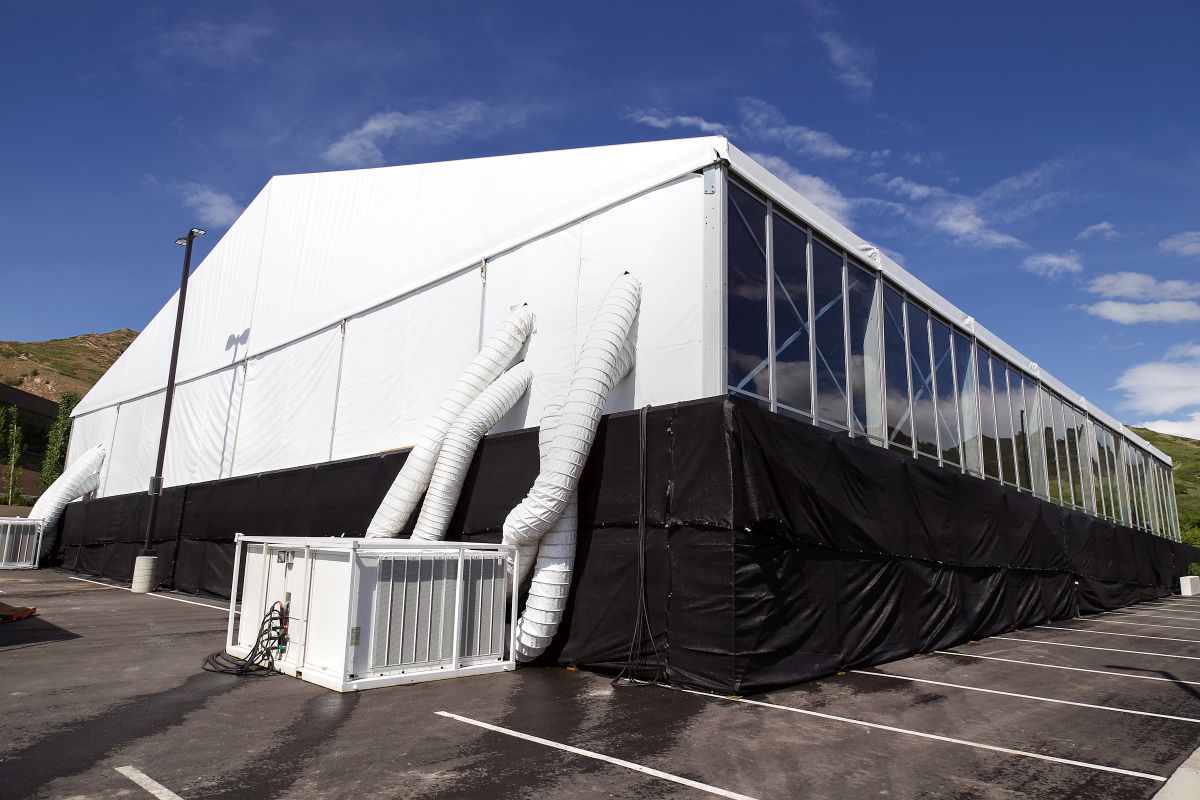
(272, 640)
(641, 621)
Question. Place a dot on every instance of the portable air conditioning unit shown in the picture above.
(352, 614)
(20, 541)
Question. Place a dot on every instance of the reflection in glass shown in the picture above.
(828, 321)
(946, 405)
(747, 299)
(924, 418)
(899, 420)
(863, 320)
(792, 368)
(1004, 421)
(987, 416)
(968, 402)
(1060, 449)
(1016, 400)
(1055, 470)
(1033, 427)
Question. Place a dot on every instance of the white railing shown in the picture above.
(20, 540)
(363, 613)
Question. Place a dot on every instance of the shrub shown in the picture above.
(1194, 569)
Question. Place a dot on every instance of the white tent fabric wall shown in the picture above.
(287, 405)
(391, 382)
(98, 427)
(204, 425)
(135, 446)
(314, 250)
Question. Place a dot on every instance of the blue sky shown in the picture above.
(1036, 163)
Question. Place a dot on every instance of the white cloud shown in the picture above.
(1051, 265)
(362, 147)
(657, 119)
(955, 215)
(1140, 286)
(1133, 313)
(765, 122)
(1169, 385)
(934, 159)
(824, 194)
(1188, 426)
(1186, 244)
(213, 208)
(212, 45)
(853, 64)
(1104, 230)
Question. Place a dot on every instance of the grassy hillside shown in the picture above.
(48, 369)
(1186, 455)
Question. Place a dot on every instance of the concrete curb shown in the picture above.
(1184, 783)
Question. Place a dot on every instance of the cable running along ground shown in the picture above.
(271, 641)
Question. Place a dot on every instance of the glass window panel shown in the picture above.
(987, 416)
(1135, 506)
(1060, 449)
(924, 420)
(1070, 427)
(830, 333)
(968, 401)
(793, 374)
(747, 299)
(1004, 422)
(899, 420)
(867, 401)
(1114, 477)
(1037, 448)
(1053, 468)
(946, 405)
(1097, 470)
(1020, 417)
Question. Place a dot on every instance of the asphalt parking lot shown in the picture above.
(103, 697)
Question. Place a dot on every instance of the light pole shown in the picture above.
(144, 565)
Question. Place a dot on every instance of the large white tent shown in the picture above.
(331, 318)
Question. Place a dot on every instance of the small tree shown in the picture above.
(15, 445)
(56, 440)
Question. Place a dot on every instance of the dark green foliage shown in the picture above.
(56, 440)
(14, 444)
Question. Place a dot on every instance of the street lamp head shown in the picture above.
(192, 234)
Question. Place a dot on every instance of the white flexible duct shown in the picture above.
(549, 424)
(82, 477)
(493, 359)
(458, 449)
(551, 584)
(598, 363)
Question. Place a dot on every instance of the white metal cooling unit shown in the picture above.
(20, 541)
(364, 613)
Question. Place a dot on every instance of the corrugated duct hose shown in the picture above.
(484, 369)
(82, 477)
(458, 449)
(605, 359)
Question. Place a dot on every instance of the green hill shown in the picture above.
(50, 368)
(1185, 453)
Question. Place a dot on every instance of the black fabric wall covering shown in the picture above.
(774, 552)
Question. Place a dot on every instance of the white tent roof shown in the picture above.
(312, 250)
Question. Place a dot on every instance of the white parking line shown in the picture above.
(1173, 606)
(1153, 616)
(1143, 624)
(666, 776)
(1178, 681)
(1028, 696)
(154, 594)
(1113, 633)
(149, 784)
(935, 737)
(1093, 647)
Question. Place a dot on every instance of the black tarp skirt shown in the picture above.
(773, 551)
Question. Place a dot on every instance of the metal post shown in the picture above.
(144, 566)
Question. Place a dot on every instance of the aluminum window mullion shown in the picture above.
(912, 411)
(881, 361)
(770, 264)
(849, 379)
(812, 328)
(933, 392)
